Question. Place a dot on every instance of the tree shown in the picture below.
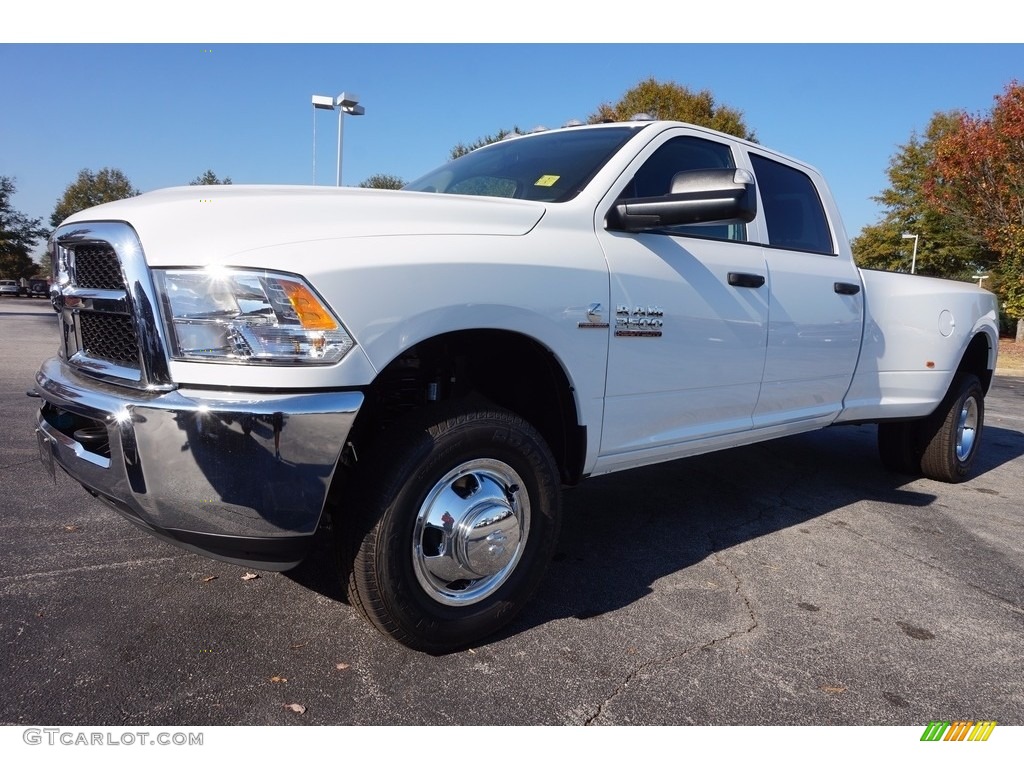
(89, 189)
(208, 177)
(978, 175)
(946, 245)
(671, 101)
(461, 149)
(43, 267)
(662, 101)
(382, 181)
(18, 233)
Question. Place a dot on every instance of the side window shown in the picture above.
(792, 208)
(684, 153)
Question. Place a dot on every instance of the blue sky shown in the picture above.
(164, 113)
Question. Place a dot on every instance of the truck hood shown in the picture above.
(192, 225)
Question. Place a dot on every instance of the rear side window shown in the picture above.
(792, 208)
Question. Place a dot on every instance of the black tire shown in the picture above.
(951, 436)
(899, 447)
(450, 526)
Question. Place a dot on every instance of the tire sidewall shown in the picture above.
(971, 388)
(940, 460)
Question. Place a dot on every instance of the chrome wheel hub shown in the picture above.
(966, 429)
(470, 532)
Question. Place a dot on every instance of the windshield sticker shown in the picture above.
(548, 180)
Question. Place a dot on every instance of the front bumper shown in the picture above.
(242, 477)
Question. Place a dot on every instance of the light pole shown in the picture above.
(348, 104)
(319, 102)
(913, 259)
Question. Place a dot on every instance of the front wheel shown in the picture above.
(450, 527)
(952, 434)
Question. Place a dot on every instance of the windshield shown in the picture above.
(550, 167)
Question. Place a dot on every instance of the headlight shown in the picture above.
(243, 316)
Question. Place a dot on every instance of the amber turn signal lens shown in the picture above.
(311, 313)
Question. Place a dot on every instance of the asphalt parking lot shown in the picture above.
(794, 582)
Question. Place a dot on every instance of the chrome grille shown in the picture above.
(104, 298)
(97, 266)
(110, 337)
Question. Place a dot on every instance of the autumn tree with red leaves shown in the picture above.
(947, 247)
(978, 174)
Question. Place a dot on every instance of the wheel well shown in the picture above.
(508, 369)
(975, 360)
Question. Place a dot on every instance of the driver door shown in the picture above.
(689, 319)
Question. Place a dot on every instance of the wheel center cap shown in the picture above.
(487, 538)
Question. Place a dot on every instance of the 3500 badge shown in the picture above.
(638, 321)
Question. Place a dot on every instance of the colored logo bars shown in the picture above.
(961, 730)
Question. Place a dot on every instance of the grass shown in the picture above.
(1011, 355)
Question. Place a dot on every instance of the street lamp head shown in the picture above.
(354, 110)
(323, 102)
(346, 100)
(909, 236)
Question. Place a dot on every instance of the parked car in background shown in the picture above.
(35, 286)
(9, 288)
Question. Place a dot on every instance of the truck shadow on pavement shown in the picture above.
(623, 532)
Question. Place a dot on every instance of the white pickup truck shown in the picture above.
(427, 368)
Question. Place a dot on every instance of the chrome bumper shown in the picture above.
(238, 476)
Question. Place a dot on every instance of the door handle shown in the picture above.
(745, 280)
(847, 289)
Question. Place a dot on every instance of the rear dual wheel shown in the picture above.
(952, 434)
(897, 447)
(944, 445)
